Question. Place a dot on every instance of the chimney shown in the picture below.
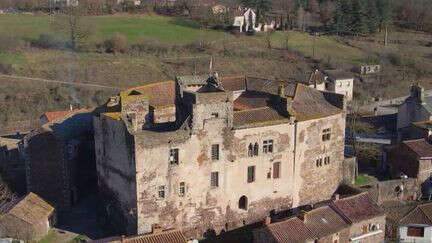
(281, 90)
(122, 239)
(417, 91)
(302, 215)
(335, 197)
(156, 228)
(267, 220)
(71, 107)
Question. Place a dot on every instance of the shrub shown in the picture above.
(6, 69)
(395, 59)
(117, 43)
(9, 43)
(49, 40)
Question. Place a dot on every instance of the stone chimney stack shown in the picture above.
(156, 228)
(417, 91)
(267, 220)
(335, 197)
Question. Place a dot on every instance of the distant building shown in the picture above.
(369, 69)
(353, 219)
(340, 82)
(59, 158)
(416, 225)
(29, 219)
(206, 153)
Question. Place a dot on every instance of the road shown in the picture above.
(85, 84)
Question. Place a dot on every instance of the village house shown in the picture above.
(416, 225)
(206, 153)
(30, 218)
(340, 82)
(12, 168)
(416, 108)
(352, 219)
(59, 158)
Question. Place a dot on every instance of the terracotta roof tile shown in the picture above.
(422, 214)
(358, 208)
(159, 94)
(251, 100)
(234, 83)
(258, 117)
(419, 146)
(54, 115)
(292, 230)
(32, 209)
(168, 236)
(324, 221)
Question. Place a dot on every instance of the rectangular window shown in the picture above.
(161, 191)
(327, 160)
(318, 162)
(326, 134)
(268, 146)
(276, 170)
(214, 180)
(415, 231)
(215, 152)
(174, 156)
(251, 174)
(215, 115)
(182, 189)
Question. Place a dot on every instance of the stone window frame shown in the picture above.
(182, 189)
(268, 146)
(251, 174)
(215, 152)
(327, 160)
(174, 155)
(214, 179)
(326, 134)
(161, 192)
(319, 162)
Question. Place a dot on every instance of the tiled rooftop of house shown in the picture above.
(324, 221)
(358, 207)
(168, 236)
(292, 230)
(421, 214)
(421, 147)
(31, 209)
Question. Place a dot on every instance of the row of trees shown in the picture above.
(361, 16)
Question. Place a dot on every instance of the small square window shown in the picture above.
(182, 189)
(215, 115)
(161, 191)
(215, 152)
(326, 134)
(268, 146)
(214, 179)
(174, 156)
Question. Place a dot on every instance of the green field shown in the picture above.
(169, 30)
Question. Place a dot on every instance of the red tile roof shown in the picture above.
(324, 221)
(357, 208)
(257, 117)
(422, 214)
(55, 115)
(159, 94)
(168, 236)
(251, 100)
(291, 230)
(234, 83)
(420, 146)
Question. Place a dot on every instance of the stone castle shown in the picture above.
(207, 153)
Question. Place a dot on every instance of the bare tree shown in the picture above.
(75, 25)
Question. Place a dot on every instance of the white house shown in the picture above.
(340, 82)
(416, 226)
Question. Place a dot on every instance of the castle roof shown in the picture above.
(358, 207)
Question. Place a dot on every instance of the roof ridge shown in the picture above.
(254, 109)
(427, 216)
(340, 213)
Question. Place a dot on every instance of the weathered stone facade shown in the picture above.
(218, 166)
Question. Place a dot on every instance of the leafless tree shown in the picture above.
(75, 25)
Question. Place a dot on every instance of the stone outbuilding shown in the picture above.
(30, 218)
(340, 82)
(416, 225)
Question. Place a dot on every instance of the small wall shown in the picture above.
(400, 189)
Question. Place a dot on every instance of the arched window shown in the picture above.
(243, 202)
(256, 147)
(250, 150)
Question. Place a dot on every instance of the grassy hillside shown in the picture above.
(135, 27)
